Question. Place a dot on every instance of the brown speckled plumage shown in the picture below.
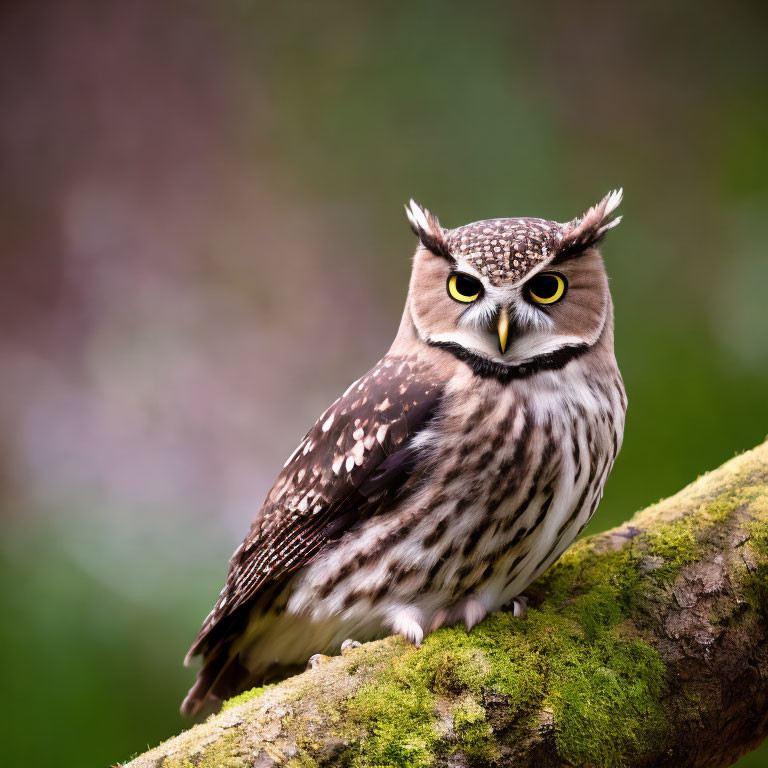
(339, 469)
(441, 483)
(505, 249)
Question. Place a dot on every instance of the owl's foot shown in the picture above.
(320, 658)
(473, 612)
(316, 660)
(407, 622)
(440, 618)
(348, 646)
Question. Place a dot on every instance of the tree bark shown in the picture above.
(644, 646)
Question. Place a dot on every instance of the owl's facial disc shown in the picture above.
(511, 290)
(511, 321)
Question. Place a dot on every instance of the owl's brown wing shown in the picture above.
(357, 453)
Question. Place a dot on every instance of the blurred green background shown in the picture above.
(203, 242)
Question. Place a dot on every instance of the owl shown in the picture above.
(452, 474)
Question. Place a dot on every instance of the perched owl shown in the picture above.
(445, 480)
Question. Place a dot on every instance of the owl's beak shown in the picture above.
(503, 329)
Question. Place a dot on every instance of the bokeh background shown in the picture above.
(202, 242)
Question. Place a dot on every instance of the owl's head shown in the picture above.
(511, 290)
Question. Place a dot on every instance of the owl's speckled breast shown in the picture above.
(509, 475)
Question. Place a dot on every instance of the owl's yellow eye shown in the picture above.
(464, 288)
(547, 287)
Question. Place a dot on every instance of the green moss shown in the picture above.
(253, 693)
(473, 731)
(607, 702)
(677, 543)
(758, 536)
(224, 752)
(506, 659)
(599, 610)
(613, 577)
(755, 581)
(396, 714)
(573, 659)
(302, 761)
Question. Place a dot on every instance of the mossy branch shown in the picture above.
(644, 646)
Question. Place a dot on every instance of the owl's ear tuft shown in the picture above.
(427, 228)
(589, 229)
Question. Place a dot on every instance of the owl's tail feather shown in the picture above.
(221, 677)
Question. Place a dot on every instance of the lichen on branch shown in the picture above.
(643, 646)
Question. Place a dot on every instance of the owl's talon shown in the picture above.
(316, 660)
(438, 620)
(473, 612)
(348, 646)
(520, 606)
(407, 622)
